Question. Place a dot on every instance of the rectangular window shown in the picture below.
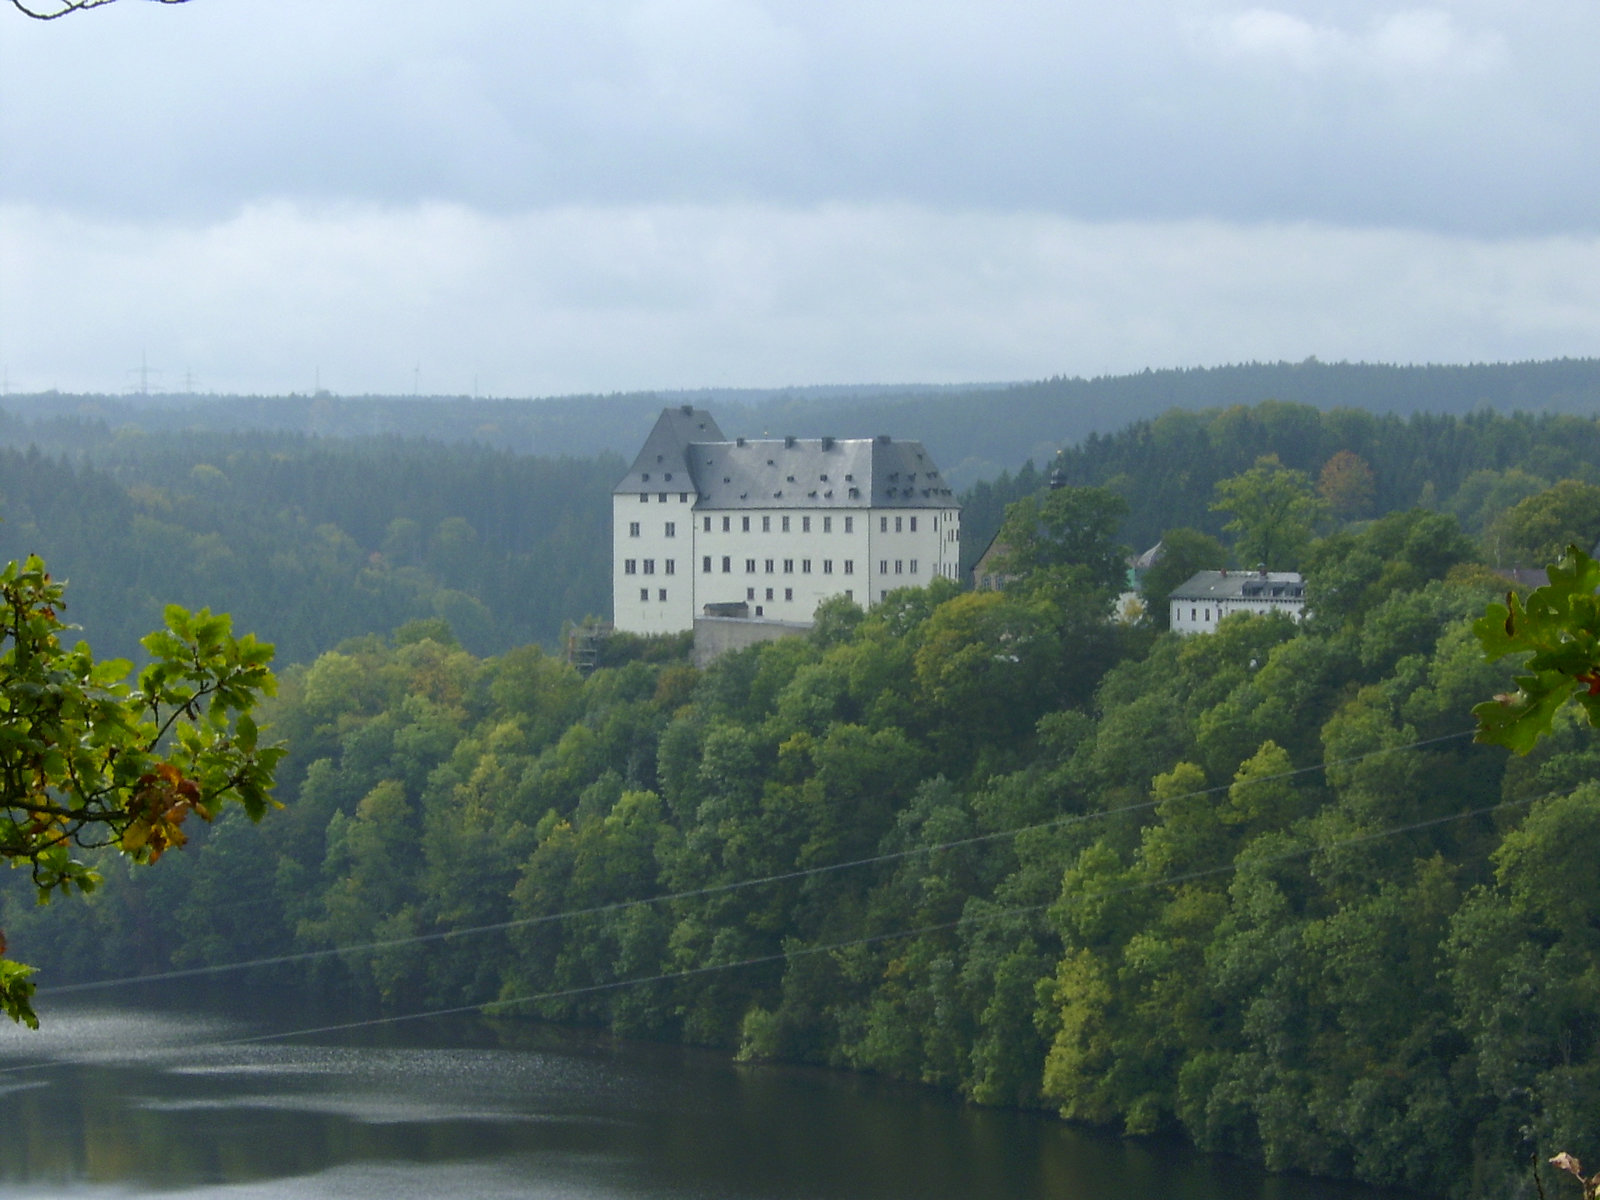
(672, 529)
(849, 566)
(897, 528)
(766, 524)
(662, 594)
(769, 593)
(913, 524)
(883, 566)
(786, 524)
(633, 529)
(849, 593)
(805, 524)
(805, 566)
(745, 521)
(725, 525)
(707, 526)
(662, 497)
(849, 524)
(788, 566)
(683, 497)
(827, 566)
(788, 593)
(649, 566)
(749, 593)
(770, 563)
(727, 564)
(827, 524)
(630, 566)
(936, 524)
(705, 564)
(644, 497)
(670, 566)
(913, 567)
(644, 593)
(883, 524)
(897, 565)
(758, 610)
(749, 566)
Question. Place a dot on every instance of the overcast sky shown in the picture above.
(522, 198)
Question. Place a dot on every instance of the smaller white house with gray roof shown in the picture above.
(1208, 596)
(705, 526)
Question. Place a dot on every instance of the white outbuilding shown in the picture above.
(1208, 596)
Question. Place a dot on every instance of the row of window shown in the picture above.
(661, 497)
(661, 594)
(670, 528)
(784, 525)
(771, 565)
(669, 566)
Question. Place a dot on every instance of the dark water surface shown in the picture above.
(130, 1102)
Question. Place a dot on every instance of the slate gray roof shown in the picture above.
(663, 464)
(785, 472)
(1242, 585)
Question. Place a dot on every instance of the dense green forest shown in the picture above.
(972, 432)
(310, 541)
(1259, 887)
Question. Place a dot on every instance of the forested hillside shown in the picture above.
(1475, 467)
(307, 541)
(1259, 886)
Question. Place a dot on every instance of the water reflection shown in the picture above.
(130, 1103)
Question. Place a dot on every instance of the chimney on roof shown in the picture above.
(688, 410)
(883, 439)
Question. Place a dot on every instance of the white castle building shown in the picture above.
(769, 529)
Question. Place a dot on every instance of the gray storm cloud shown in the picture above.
(586, 196)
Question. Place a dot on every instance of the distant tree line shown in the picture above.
(973, 432)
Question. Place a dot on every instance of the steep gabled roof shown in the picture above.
(663, 464)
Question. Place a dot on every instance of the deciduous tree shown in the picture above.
(86, 761)
(1274, 513)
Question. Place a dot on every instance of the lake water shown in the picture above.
(143, 1102)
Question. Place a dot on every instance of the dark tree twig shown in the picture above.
(60, 8)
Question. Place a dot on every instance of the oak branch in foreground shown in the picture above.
(89, 762)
